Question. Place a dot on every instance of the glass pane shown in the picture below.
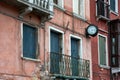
(113, 45)
(112, 5)
(55, 1)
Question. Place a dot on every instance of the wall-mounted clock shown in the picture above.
(91, 30)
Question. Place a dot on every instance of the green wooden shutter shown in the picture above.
(102, 50)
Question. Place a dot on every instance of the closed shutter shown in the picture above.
(75, 56)
(55, 52)
(75, 6)
(102, 50)
(29, 41)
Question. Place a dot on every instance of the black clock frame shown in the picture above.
(93, 35)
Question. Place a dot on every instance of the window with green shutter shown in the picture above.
(102, 50)
(79, 7)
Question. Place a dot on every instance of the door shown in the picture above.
(55, 52)
(75, 56)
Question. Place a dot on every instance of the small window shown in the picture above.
(79, 7)
(29, 42)
(102, 8)
(103, 50)
(58, 3)
(114, 5)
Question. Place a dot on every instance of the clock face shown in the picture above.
(92, 30)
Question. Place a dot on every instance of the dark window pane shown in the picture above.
(112, 5)
(55, 1)
(55, 52)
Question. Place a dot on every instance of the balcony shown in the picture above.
(67, 67)
(38, 7)
(103, 10)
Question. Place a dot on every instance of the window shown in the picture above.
(56, 50)
(103, 9)
(29, 42)
(75, 55)
(58, 3)
(114, 5)
(103, 50)
(78, 7)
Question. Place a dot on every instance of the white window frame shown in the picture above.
(116, 7)
(78, 13)
(107, 65)
(27, 58)
(80, 44)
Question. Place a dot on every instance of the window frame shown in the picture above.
(101, 65)
(37, 44)
(78, 14)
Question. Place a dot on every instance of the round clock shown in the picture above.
(91, 30)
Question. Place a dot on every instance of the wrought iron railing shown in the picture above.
(64, 65)
(103, 8)
(39, 4)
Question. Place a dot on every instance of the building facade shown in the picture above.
(105, 51)
(52, 40)
(45, 40)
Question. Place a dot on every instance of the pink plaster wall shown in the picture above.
(12, 65)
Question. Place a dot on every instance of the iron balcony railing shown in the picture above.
(66, 66)
(103, 9)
